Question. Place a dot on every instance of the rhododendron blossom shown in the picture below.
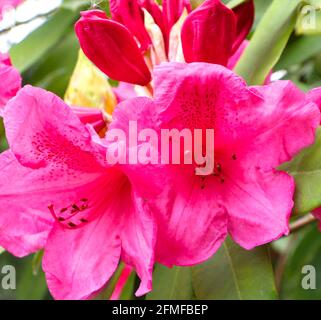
(141, 35)
(58, 193)
(256, 129)
(10, 81)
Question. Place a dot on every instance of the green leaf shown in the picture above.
(299, 50)
(75, 5)
(234, 273)
(40, 41)
(2, 250)
(36, 262)
(234, 3)
(30, 286)
(306, 250)
(269, 41)
(306, 170)
(171, 284)
(53, 71)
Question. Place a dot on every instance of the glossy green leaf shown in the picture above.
(269, 41)
(234, 273)
(40, 41)
(305, 250)
(171, 284)
(306, 170)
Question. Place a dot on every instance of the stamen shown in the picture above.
(75, 207)
(67, 215)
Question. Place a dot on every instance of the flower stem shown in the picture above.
(302, 222)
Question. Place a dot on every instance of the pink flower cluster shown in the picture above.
(58, 193)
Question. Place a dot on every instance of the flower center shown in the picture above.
(73, 216)
(218, 173)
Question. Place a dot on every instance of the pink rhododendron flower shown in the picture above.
(58, 193)
(142, 34)
(10, 81)
(256, 129)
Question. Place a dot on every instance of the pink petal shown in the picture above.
(245, 18)
(10, 81)
(138, 237)
(314, 95)
(74, 268)
(192, 223)
(259, 206)
(111, 47)
(124, 91)
(288, 122)
(5, 59)
(208, 33)
(24, 220)
(129, 13)
(43, 131)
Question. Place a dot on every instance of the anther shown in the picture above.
(72, 225)
(234, 157)
(75, 207)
